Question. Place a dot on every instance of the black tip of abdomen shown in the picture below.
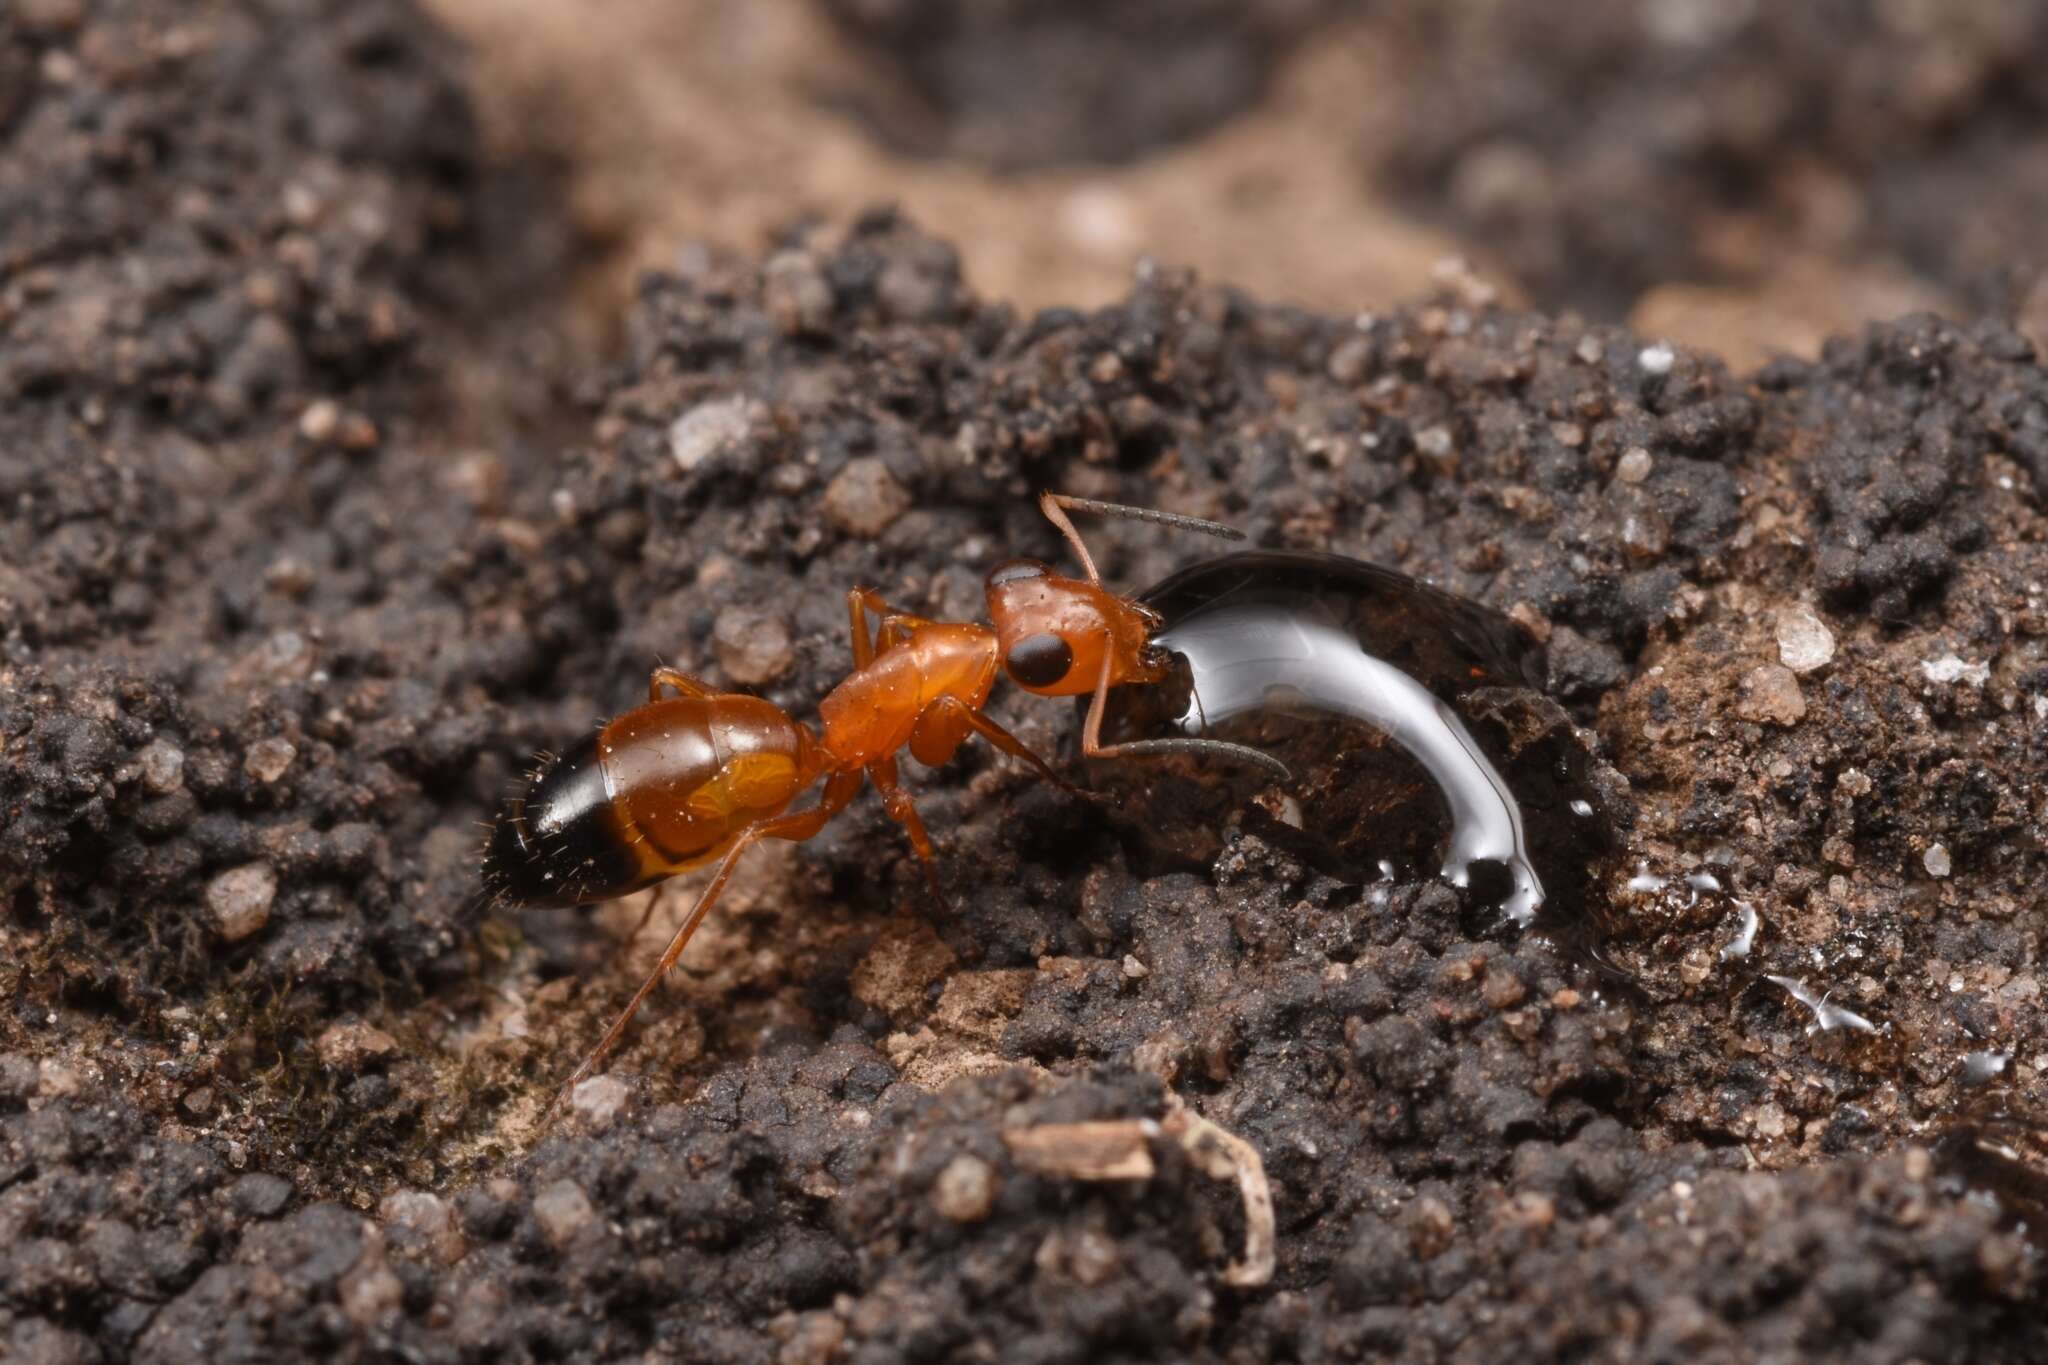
(559, 843)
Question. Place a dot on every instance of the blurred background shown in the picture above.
(1736, 174)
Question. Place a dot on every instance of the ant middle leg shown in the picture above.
(903, 811)
(654, 900)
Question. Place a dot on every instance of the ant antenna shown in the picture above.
(1054, 505)
(1215, 748)
(1176, 520)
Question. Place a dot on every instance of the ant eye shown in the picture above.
(1015, 571)
(1040, 660)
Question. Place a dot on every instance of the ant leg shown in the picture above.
(898, 803)
(859, 602)
(653, 903)
(683, 683)
(1054, 506)
(1093, 747)
(840, 788)
(1007, 742)
(894, 625)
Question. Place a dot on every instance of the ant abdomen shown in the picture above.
(659, 789)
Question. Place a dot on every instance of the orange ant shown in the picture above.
(704, 774)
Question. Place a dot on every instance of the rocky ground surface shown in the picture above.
(313, 536)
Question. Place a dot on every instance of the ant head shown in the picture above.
(1054, 632)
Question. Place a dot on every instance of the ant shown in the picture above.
(703, 775)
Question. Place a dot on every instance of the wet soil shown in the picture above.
(321, 520)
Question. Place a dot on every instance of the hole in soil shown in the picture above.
(1019, 83)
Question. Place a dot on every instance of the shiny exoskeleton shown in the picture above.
(701, 775)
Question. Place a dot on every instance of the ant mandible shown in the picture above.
(703, 775)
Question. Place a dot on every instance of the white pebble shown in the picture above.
(1950, 668)
(1804, 641)
(709, 429)
(238, 900)
(1936, 860)
(597, 1100)
(562, 1210)
(1657, 359)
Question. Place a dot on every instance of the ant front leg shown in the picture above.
(1093, 747)
(683, 683)
(903, 811)
(951, 712)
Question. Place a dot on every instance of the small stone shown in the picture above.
(864, 498)
(597, 1100)
(1769, 692)
(711, 430)
(260, 1195)
(370, 1293)
(1936, 860)
(1430, 1226)
(1804, 641)
(1634, 465)
(20, 1076)
(238, 900)
(796, 293)
(1950, 668)
(55, 1077)
(1351, 361)
(1502, 989)
(1530, 1209)
(320, 421)
(163, 767)
(430, 1216)
(1135, 970)
(358, 433)
(966, 1190)
(753, 647)
(291, 576)
(199, 1103)
(562, 1210)
(268, 759)
(1657, 359)
(351, 1044)
(1434, 442)
(479, 478)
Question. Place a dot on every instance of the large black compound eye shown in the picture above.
(1039, 660)
(1016, 571)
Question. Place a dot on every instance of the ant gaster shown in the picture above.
(702, 775)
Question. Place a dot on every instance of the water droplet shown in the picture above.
(1271, 648)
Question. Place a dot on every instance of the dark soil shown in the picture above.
(1641, 144)
(289, 595)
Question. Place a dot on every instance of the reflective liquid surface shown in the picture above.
(1375, 690)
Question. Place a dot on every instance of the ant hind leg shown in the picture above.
(681, 682)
